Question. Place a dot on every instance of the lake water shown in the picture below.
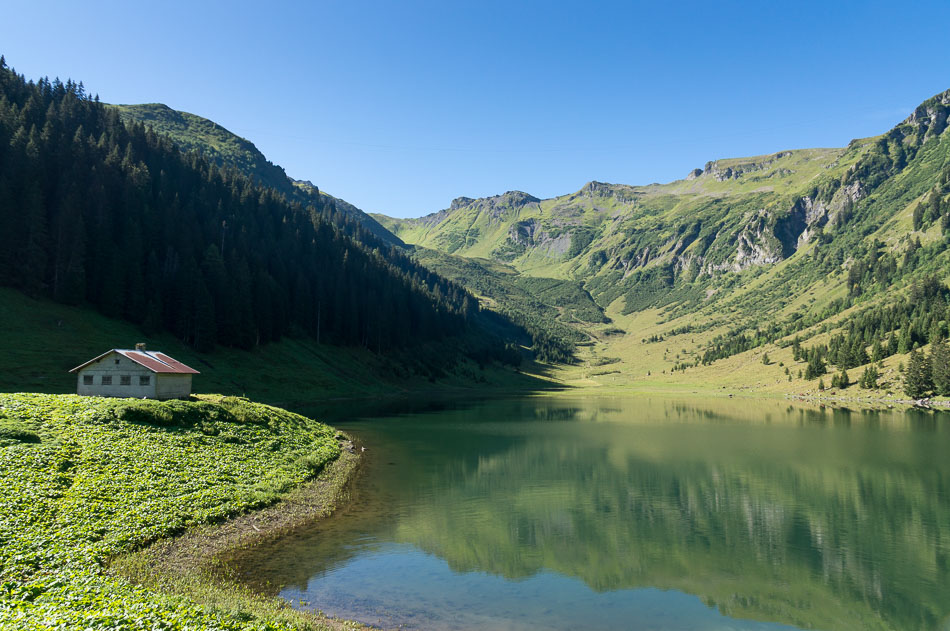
(552, 513)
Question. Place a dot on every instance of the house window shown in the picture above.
(87, 380)
(125, 380)
(117, 362)
(145, 380)
(107, 380)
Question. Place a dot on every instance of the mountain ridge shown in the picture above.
(192, 132)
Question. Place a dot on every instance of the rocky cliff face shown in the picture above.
(531, 234)
(932, 117)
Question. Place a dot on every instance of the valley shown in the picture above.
(666, 403)
(799, 244)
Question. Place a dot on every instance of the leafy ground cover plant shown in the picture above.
(85, 479)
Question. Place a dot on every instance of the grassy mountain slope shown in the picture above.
(226, 149)
(799, 243)
(559, 236)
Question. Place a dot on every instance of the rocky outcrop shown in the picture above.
(524, 232)
(721, 171)
(773, 236)
(531, 234)
(755, 248)
(767, 237)
(461, 202)
(932, 117)
(818, 213)
(620, 192)
(497, 207)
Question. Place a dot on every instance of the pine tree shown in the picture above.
(940, 367)
(877, 351)
(906, 342)
(917, 377)
(204, 323)
(869, 378)
(892, 344)
(936, 332)
(918, 216)
(816, 367)
(32, 257)
(843, 380)
(858, 355)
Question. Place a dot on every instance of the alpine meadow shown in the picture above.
(233, 400)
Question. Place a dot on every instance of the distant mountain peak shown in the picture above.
(509, 198)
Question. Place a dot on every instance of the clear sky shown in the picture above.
(400, 106)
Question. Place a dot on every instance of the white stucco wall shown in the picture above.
(172, 386)
(116, 366)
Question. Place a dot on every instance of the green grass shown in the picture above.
(41, 340)
(112, 475)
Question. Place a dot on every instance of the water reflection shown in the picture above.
(808, 517)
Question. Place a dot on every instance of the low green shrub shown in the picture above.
(113, 475)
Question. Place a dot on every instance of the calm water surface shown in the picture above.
(633, 514)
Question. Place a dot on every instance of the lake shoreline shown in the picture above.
(198, 564)
(831, 398)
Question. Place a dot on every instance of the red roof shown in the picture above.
(156, 362)
(174, 363)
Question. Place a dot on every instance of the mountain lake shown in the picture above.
(632, 513)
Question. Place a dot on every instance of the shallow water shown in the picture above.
(633, 514)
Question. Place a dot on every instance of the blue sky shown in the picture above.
(398, 107)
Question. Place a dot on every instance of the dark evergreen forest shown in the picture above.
(115, 217)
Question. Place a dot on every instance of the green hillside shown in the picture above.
(735, 260)
(194, 133)
(228, 150)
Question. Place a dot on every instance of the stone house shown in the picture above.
(135, 373)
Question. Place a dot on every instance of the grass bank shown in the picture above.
(88, 481)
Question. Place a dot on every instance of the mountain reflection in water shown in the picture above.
(642, 513)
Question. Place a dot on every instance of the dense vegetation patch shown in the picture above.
(112, 475)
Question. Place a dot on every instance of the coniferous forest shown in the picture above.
(114, 216)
